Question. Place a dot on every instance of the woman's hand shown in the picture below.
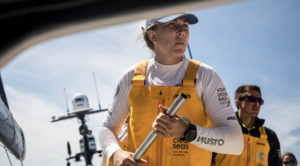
(166, 126)
(124, 158)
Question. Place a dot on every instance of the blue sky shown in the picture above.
(250, 42)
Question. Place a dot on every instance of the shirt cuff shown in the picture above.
(199, 133)
(111, 149)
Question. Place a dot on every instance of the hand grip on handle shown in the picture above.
(152, 136)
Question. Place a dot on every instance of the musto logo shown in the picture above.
(210, 141)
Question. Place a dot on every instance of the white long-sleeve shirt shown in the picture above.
(225, 136)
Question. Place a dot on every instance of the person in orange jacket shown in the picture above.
(147, 89)
(261, 145)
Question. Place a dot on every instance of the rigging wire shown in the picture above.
(7, 154)
(190, 52)
(6, 151)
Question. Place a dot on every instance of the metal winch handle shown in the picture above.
(152, 136)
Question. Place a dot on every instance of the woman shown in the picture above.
(147, 89)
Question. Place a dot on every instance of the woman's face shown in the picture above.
(171, 38)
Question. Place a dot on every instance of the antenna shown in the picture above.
(65, 94)
(69, 152)
(97, 91)
(69, 148)
(189, 49)
(80, 111)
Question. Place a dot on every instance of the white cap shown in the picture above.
(191, 18)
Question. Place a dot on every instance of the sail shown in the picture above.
(11, 134)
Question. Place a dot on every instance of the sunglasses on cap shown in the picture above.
(289, 162)
(252, 99)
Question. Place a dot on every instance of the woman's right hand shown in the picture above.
(124, 158)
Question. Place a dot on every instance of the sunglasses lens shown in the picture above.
(254, 99)
(261, 101)
(251, 98)
(289, 162)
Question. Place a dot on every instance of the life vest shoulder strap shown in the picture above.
(140, 74)
(263, 133)
(190, 75)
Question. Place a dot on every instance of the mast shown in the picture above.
(97, 91)
(65, 94)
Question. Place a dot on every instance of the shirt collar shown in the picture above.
(257, 124)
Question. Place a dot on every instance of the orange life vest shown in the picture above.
(255, 153)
